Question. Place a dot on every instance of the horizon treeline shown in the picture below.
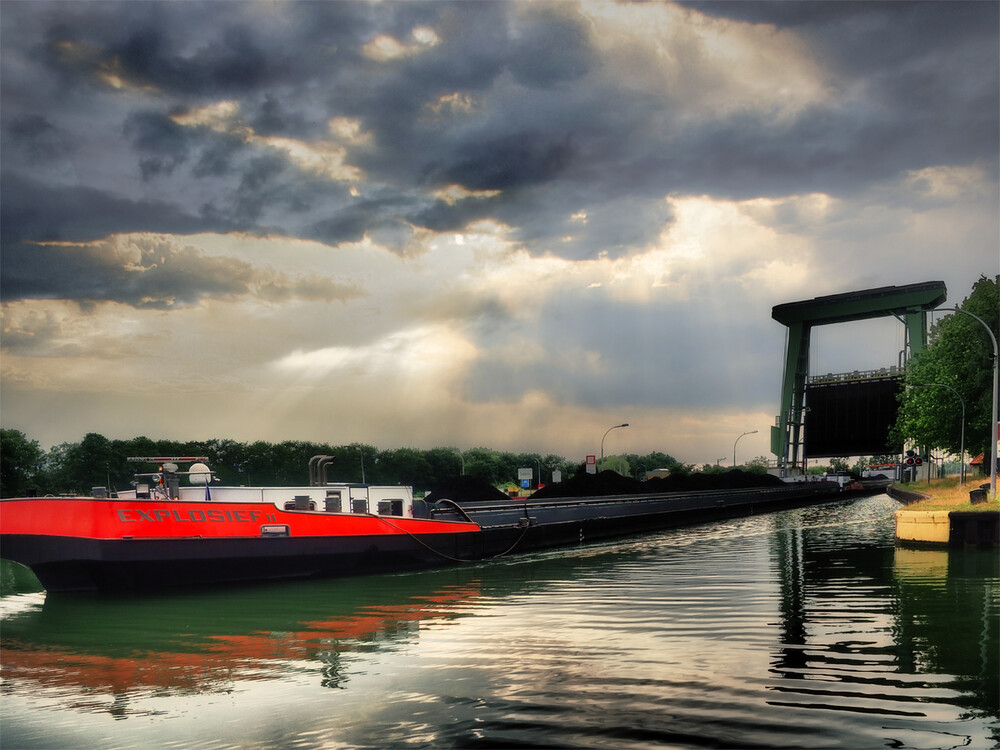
(97, 461)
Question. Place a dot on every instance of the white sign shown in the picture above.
(556, 476)
(523, 474)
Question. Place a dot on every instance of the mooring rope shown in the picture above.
(418, 540)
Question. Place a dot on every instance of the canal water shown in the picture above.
(800, 629)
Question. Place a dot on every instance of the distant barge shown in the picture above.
(166, 534)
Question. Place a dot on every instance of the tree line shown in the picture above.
(97, 461)
(953, 378)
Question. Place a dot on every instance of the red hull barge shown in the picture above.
(166, 533)
(162, 534)
(88, 543)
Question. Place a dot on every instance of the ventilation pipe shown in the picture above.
(321, 466)
(316, 465)
(312, 470)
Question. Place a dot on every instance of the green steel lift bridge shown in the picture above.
(908, 303)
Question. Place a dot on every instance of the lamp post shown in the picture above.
(996, 387)
(961, 475)
(752, 432)
(623, 424)
(362, 454)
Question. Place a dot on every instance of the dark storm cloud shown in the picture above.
(551, 48)
(167, 49)
(519, 98)
(33, 211)
(37, 138)
(442, 216)
(516, 160)
(930, 71)
(87, 273)
(901, 26)
(274, 116)
(150, 273)
(233, 63)
(157, 135)
(97, 274)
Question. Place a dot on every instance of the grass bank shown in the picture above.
(945, 494)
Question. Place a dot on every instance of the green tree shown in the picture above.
(483, 464)
(861, 465)
(444, 463)
(20, 463)
(955, 367)
(552, 462)
(839, 464)
(618, 463)
(77, 467)
(407, 466)
(757, 465)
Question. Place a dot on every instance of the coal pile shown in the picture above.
(592, 485)
(734, 479)
(466, 490)
(609, 483)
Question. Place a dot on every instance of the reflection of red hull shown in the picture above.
(210, 661)
(87, 543)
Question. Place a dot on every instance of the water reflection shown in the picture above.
(204, 641)
(948, 618)
(874, 629)
(200, 642)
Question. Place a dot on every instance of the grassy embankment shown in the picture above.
(945, 494)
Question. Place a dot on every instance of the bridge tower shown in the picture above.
(908, 303)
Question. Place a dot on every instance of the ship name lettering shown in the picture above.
(134, 515)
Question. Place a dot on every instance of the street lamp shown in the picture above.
(752, 432)
(961, 475)
(996, 387)
(623, 424)
(362, 454)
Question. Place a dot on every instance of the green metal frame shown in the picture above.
(909, 303)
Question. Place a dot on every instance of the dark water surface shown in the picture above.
(799, 629)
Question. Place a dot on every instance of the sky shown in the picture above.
(501, 224)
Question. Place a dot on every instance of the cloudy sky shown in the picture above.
(501, 224)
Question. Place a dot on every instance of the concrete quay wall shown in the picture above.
(944, 527)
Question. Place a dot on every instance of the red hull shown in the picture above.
(88, 543)
(94, 518)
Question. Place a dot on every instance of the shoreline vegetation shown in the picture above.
(946, 494)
